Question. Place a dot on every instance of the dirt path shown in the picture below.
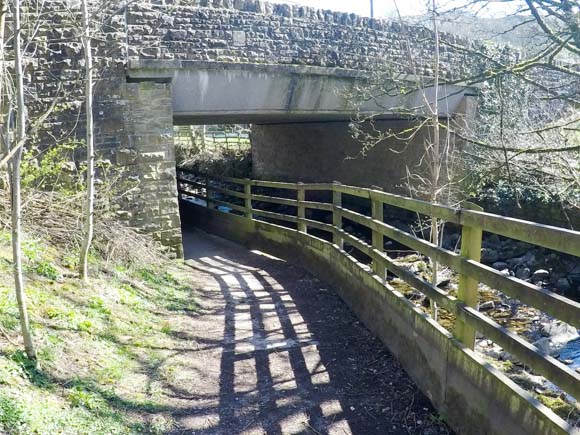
(278, 352)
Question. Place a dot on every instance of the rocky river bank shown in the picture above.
(555, 271)
(549, 270)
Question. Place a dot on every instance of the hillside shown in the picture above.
(101, 347)
(516, 30)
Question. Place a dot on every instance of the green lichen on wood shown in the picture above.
(560, 407)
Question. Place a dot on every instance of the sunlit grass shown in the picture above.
(97, 345)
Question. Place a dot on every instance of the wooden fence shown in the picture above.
(239, 196)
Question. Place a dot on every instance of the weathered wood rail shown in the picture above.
(240, 195)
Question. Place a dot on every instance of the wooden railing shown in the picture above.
(240, 196)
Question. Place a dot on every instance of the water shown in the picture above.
(571, 351)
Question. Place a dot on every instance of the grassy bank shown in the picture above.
(102, 347)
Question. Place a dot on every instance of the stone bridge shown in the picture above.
(287, 70)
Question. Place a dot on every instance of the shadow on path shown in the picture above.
(288, 356)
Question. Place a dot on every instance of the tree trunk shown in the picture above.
(3, 110)
(90, 198)
(15, 187)
(436, 158)
(3, 10)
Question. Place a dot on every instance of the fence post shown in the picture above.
(178, 184)
(207, 195)
(378, 241)
(301, 196)
(248, 198)
(468, 291)
(336, 216)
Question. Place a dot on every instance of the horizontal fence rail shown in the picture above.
(243, 196)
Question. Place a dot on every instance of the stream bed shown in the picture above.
(571, 351)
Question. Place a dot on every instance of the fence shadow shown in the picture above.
(293, 358)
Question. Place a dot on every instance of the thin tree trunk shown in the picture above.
(15, 187)
(435, 161)
(3, 11)
(3, 105)
(90, 199)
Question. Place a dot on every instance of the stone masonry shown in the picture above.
(146, 151)
(134, 119)
(253, 31)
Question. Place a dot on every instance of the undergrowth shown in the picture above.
(102, 347)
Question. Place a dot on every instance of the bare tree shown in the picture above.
(434, 150)
(90, 198)
(432, 176)
(3, 84)
(528, 123)
(16, 205)
(3, 12)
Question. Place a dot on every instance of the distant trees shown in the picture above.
(527, 127)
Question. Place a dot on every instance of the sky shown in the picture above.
(386, 8)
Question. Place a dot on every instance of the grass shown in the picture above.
(103, 348)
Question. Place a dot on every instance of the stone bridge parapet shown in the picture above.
(249, 31)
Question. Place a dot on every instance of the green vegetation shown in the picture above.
(562, 408)
(102, 348)
(53, 168)
(221, 149)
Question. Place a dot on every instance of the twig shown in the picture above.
(311, 428)
(5, 334)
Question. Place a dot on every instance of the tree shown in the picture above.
(386, 88)
(16, 202)
(3, 12)
(90, 198)
(3, 85)
(529, 118)
(434, 150)
(528, 122)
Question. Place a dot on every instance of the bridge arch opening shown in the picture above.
(299, 124)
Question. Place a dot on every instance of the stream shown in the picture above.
(571, 351)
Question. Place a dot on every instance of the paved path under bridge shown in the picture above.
(280, 353)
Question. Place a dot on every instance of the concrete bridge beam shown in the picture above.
(300, 117)
(220, 92)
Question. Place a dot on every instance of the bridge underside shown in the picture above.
(319, 152)
(220, 93)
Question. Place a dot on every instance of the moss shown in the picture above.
(560, 407)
